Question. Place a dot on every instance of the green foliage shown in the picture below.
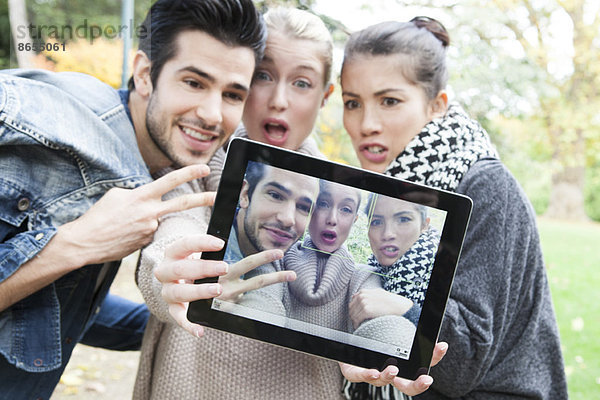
(102, 59)
(532, 61)
(266, 4)
(331, 136)
(69, 20)
(5, 49)
(357, 242)
(518, 141)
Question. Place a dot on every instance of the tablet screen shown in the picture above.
(342, 242)
(373, 256)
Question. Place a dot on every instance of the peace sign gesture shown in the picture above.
(124, 220)
(178, 271)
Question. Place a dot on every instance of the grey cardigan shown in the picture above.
(499, 321)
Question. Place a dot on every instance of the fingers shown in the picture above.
(439, 351)
(413, 388)
(255, 260)
(186, 269)
(185, 246)
(371, 376)
(187, 201)
(187, 292)
(173, 179)
(178, 312)
(387, 376)
(357, 374)
(263, 280)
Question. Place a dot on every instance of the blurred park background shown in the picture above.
(528, 70)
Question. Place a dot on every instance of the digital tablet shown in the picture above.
(374, 257)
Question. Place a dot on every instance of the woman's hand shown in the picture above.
(389, 374)
(373, 303)
(180, 269)
(233, 284)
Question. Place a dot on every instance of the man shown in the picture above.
(273, 210)
(74, 154)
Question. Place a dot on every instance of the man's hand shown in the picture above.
(122, 221)
(373, 303)
(125, 220)
(178, 271)
(388, 375)
(233, 284)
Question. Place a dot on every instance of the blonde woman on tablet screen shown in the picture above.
(499, 321)
(288, 89)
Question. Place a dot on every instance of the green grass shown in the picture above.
(572, 255)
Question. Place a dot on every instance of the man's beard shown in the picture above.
(252, 234)
(157, 130)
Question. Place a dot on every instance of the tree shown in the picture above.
(570, 115)
(541, 62)
(18, 18)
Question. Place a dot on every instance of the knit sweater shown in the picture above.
(176, 365)
(321, 294)
(324, 285)
(499, 321)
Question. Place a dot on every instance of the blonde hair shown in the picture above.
(300, 24)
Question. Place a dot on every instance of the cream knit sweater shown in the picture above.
(176, 365)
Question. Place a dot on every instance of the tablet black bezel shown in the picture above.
(458, 208)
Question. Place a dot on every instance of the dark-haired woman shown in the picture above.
(499, 322)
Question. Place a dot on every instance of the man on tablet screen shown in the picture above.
(273, 211)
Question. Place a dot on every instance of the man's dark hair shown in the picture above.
(233, 22)
(254, 174)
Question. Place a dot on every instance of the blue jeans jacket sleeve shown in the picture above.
(65, 140)
(21, 248)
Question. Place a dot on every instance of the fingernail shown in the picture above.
(276, 255)
(290, 277)
(394, 371)
(222, 268)
(198, 332)
(214, 289)
(204, 170)
(216, 242)
(444, 346)
(427, 380)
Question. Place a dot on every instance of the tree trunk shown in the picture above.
(566, 196)
(18, 25)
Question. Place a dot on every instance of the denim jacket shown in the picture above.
(65, 139)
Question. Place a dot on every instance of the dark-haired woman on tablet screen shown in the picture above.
(499, 321)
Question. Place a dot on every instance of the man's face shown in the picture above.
(277, 213)
(199, 98)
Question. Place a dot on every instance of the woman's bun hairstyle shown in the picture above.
(435, 27)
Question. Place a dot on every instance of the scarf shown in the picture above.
(442, 153)
(409, 275)
(439, 156)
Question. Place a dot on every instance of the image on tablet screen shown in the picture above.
(362, 260)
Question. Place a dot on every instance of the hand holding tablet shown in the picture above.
(271, 198)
